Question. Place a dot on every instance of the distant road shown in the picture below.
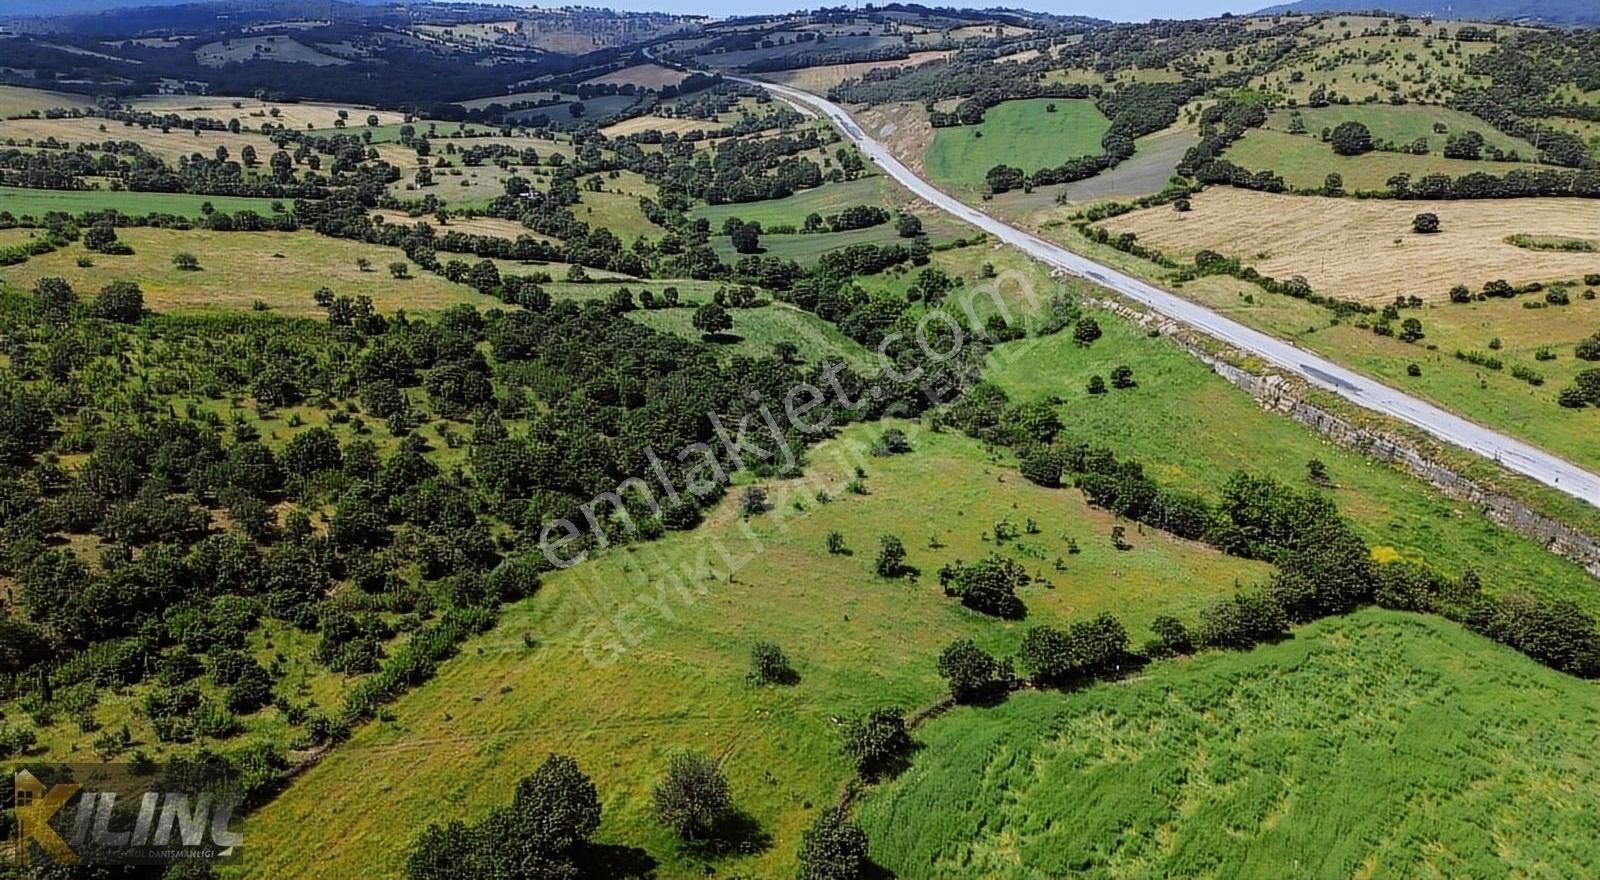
(1512, 454)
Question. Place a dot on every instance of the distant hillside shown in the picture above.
(1559, 12)
(56, 8)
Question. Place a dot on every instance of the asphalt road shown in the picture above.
(1512, 454)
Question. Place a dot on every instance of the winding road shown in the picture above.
(1512, 454)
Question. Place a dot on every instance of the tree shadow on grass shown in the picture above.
(616, 862)
(739, 834)
(722, 338)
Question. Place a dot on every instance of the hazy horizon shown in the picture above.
(1123, 10)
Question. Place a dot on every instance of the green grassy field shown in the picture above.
(38, 202)
(619, 684)
(758, 330)
(1379, 745)
(1180, 399)
(1403, 124)
(1019, 133)
(1305, 162)
(281, 269)
(827, 199)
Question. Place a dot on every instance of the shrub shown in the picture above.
(972, 672)
(768, 665)
(877, 742)
(1244, 621)
(1426, 223)
(891, 561)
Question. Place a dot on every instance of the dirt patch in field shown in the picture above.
(903, 128)
(645, 76)
(1365, 250)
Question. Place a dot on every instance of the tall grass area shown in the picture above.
(1376, 745)
(1179, 401)
(1020, 133)
(591, 668)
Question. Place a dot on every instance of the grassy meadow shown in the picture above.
(280, 269)
(1020, 133)
(756, 331)
(1403, 125)
(1396, 514)
(38, 202)
(642, 651)
(1305, 162)
(1447, 756)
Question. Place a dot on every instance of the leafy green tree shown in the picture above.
(973, 673)
(56, 300)
(712, 320)
(1425, 223)
(891, 562)
(1351, 139)
(877, 742)
(833, 848)
(1086, 331)
(692, 798)
(120, 301)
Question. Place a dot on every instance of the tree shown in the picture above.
(1122, 377)
(692, 798)
(878, 741)
(1086, 331)
(988, 586)
(120, 301)
(908, 226)
(184, 261)
(400, 270)
(102, 238)
(56, 299)
(891, 561)
(248, 156)
(1351, 139)
(712, 320)
(1411, 330)
(1333, 185)
(768, 665)
(972, 672)
(1097, 385)
(1464, 145)
(1425, 223)
(746, 239)
(754, 501)
(833, 848)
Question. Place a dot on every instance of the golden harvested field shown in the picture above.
(282, 269)
(252, 112)
(663, 124)
(1365, 250)
(645, 76)
(169, 144)
(820, 79)
(20, 101)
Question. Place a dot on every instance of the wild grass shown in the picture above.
(620, 686)
(1020, 133)
(1378, 745)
